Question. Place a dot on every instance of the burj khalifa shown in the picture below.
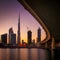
(19, 38)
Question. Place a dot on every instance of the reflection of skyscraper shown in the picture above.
(10, 33)
(39, 35)
(29, 37)
(19, 30)
(4, 38)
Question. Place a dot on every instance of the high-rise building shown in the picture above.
(33, 41)
(29, 37)
(19, 38)
(13, 39)
(4, 38)
(10, 33)
(39, 35)
(22, 41)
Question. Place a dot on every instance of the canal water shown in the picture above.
(29, 54)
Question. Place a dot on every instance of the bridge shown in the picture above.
(47, 13)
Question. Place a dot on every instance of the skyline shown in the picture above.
(9, 18)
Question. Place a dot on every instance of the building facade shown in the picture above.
(10, 33)
(4, 38)
(13, 39)
(29, 37)
(39, 35)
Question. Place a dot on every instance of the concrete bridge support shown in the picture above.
(53, 43)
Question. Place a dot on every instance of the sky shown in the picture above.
(9, 15)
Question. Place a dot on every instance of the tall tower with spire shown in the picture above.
(19, 30)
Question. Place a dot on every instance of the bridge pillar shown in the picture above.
(46, 45)
(53, 43)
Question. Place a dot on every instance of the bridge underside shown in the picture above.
(47, 13)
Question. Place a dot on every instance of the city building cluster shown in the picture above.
(12, 38)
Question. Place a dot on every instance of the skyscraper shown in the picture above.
(4, 38)
(29, 37)
(13, 39)
(10, 33)
(19, 30)
(39, 35)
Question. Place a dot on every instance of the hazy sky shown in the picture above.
(9, 15)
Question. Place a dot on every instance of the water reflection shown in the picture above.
(13, 54)
(33, 54)
(0, 55)
(29, 54)
(23, 54)
(55, 54)
(38, 54)
(52, 55)
(18, 54)
(43, 54)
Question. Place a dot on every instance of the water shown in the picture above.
(27, 54)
